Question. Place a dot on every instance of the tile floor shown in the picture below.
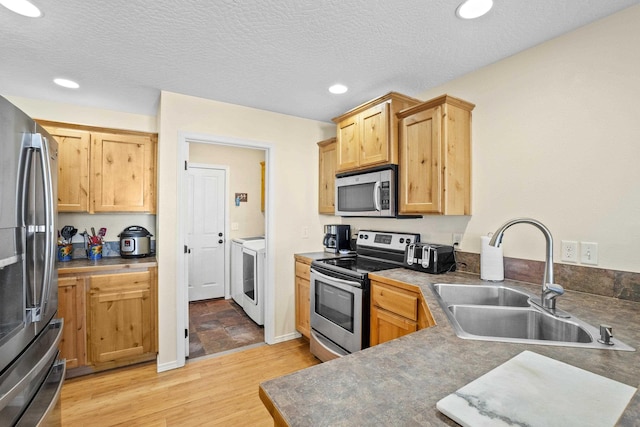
(218, 325)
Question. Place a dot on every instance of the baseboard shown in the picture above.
(286, 337)
(162, 367)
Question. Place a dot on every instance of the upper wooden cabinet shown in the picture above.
(435, 157)
(327, 176)
(73, 169)
(368, 134)
(104, 170)
(123, 173)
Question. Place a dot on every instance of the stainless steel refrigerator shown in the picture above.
(31, 373)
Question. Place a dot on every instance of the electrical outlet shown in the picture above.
(456, 239)
(234, 226)
(589, 253)
(569, 251)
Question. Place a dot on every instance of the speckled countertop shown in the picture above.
(399, 382)
(104, 264)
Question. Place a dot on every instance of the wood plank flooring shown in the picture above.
(218, 391)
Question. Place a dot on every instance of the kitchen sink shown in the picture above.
(517, 323)
(482, 295)
(505, 314)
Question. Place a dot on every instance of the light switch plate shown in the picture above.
(589, 253)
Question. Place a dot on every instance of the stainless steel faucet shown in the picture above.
(550, 290)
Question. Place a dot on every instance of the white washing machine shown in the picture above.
(253, 260)
(236, 267)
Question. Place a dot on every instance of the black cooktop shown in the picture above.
(359, 264)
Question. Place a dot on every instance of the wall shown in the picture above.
(294, 176)
(244, 177)
(555, 137)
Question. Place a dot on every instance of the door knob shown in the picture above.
(220, 241)
(219, 234)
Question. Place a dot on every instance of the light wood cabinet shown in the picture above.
(121, 317)
(435, 157)
(367, 135)
(262, 191)
(397, 309)
(73, 169)
(327, 176)
(110, 317)
(71, 308)
(303, 302)
(104, 170)
(123, 173)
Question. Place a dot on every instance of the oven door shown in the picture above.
(336, 310)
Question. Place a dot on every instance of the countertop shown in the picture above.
(399, 382)
(104, 264)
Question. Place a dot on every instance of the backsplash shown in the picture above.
(109, 249)
(611, 283)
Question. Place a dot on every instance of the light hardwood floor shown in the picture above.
(220, 391)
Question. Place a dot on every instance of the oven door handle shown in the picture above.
(336, 280)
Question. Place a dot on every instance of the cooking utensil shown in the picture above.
(102, 232)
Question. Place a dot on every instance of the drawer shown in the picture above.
(398, 301)
(303, 270)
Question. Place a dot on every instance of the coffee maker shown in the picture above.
(336, 238)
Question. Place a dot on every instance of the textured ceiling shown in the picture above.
(277, 55)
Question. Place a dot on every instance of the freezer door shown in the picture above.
(22, 382)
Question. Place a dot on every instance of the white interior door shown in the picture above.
(205, 232)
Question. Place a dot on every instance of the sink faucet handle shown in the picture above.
(554, 288)
(606, 333)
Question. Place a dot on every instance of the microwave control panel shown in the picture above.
(385, 195)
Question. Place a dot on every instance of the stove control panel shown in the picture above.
(386, 240)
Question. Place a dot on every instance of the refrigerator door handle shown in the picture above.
(40, 145)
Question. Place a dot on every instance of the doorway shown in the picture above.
(232, 176)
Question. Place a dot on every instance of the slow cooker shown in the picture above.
(135, 242)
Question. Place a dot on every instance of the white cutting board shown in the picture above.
(535, 390)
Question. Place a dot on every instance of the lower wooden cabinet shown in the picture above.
(397, 309)
(71, 308)
(110, 319)
(302, 287)
(121, 314)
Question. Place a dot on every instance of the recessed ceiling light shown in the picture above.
(70, 84)
(471, 9)
(338, 89)
(22, 7)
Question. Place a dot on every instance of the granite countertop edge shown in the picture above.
(400, 382)
(103, 264)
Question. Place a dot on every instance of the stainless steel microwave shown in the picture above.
(367, 193)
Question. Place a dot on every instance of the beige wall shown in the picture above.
(295, 179)
(244, 175)
(556, 137)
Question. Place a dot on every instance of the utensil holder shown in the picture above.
(64, 252)
(95, 252)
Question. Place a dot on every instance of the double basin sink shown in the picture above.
(499, 313)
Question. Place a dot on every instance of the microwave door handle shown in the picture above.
(376, 196)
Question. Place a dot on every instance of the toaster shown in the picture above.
(430, 257)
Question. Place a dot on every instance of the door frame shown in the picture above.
(182, 297)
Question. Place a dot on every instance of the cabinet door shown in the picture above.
(420, 167)
(73, 169)
(123, 173)
(303, 307)
(71, 308)
(375, 135)
(386, 326)
(121, 321)
(348, 144)
(327, 177)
